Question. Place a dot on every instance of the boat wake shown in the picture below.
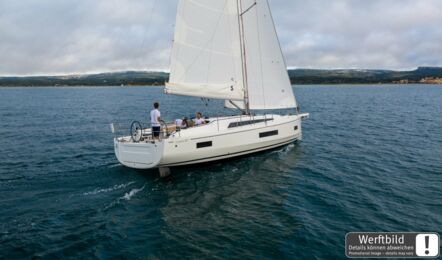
(113, 188)
(132, 193)
(286, 149)
(127, 196)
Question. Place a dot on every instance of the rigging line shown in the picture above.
(206, 44)
(248, 9)
(243, 57)
(244, 82)
(149, 25)
(236, 106)
(260, 57)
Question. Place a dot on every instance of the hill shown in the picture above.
(102, 79)
(297, 76)
(306, 76)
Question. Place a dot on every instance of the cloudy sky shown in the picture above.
(83, 36)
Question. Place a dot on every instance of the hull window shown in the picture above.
(267, 134)
(249, 122)
(203, 145)
(296, 127)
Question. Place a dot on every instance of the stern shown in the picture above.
(142, 155)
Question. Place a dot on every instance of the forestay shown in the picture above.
(206, 56)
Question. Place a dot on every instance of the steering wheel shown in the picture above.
(165, 127)
(136, 131)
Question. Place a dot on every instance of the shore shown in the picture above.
(421, 75)
(149, 86)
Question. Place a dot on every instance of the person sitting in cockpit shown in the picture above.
(182, 123)
(185, 123)
(199, 120)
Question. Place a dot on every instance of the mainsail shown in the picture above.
(229, 49)
(206, 57)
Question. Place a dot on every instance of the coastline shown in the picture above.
(421, 75)
(152, 86)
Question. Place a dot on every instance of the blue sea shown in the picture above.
(370, 160)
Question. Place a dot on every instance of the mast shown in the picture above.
(243, 57)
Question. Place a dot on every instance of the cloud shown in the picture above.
(393, 34)
(82, 36)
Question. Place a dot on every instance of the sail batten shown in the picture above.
(206, 49)
(202, 90)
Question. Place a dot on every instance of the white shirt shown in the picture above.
(200, 121)
(154, 115)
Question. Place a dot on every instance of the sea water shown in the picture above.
(370, 160)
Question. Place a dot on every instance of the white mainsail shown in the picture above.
(207, 58)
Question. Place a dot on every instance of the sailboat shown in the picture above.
(227, 50)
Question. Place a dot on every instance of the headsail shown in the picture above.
(269, 85)
(206, 56)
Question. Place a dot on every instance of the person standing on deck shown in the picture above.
(155, 119)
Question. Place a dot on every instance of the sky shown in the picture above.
(55, 37)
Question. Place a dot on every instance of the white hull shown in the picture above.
(222, 138)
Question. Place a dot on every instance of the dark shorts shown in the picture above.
(156, 131)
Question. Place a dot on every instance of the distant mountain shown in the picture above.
(297, 76)
(306, 76)
(102, 79)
